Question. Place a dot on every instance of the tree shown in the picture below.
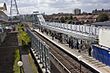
(75, 19)
(62, 19)
(23, 36)
(102, 17)
(66, 17)
(71, 17)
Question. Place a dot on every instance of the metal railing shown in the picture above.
(91, 30)
(78, 28)
(41, 50)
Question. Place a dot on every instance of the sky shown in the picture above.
(56, 6)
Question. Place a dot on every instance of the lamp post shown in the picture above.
(80, 58)
(20, 64)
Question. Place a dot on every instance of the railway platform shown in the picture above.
(90, 61)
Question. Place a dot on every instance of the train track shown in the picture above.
(69, 63)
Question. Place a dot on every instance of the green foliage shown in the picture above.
(66, 17)
(75, 19)
(71, 17)
(102, 17)
(23, 36)
(16, 68)
(62, 19)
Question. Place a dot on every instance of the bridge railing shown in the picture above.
(91, 30)
(78, 28)
(41, 50)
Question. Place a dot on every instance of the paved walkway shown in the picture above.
(26, 65)
(25, 58)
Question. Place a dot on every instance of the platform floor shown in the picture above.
(95, 64)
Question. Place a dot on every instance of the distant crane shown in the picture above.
(14, 11)
(14, 8)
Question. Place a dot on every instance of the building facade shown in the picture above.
(77, 11)
(3, 16)
(96, 11)
(3, 19)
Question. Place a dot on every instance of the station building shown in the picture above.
(3, 21)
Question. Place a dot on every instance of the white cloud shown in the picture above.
(25, 10)
(47, 1)
(55, 6)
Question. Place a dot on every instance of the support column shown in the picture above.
(63, 38)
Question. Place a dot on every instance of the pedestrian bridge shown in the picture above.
(79, 31)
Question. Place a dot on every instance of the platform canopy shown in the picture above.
(3, 7)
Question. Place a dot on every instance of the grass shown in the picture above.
(31, 61)
(16, 68)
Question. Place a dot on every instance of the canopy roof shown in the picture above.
(3, 6)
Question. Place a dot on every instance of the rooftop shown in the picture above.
(106, 23)
(3, 7)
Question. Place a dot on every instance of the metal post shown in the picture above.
(82, 28)
(89, 29)
(46, 63)
(71, 26)
(40, 52)
(85, 28)
(38, 49)
(43, 56)
(76, 27)
(80, 58)
(48, 58)
(95, 30)
(80, 66)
